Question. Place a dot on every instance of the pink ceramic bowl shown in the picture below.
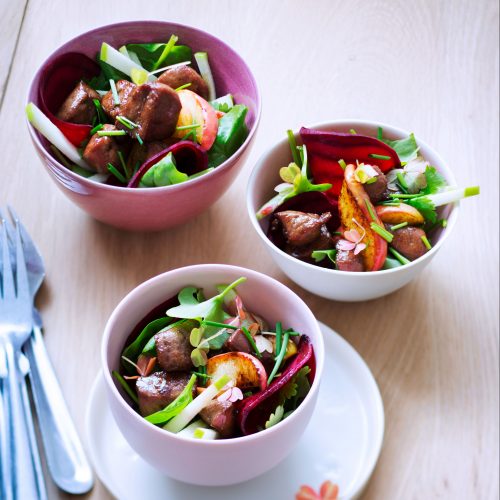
(158, 208)
(210, 462)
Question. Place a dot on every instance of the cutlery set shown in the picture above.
(23, 356)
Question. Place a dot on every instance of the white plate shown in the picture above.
(342, 442)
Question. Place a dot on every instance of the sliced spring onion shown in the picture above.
(168, 47)
(189, 430)
(131, 55)
(280, 357)
(192, 409)
(116, 97)
(201, 433)
(382, 232)
(399, 226)
(111, 133)
(201, 59)
(342, 164)
(251, 341)
(426, 242)
(398, 256)
(122, 63)
(172, 66)
(38, 119)
(293, 148)
(445, 197)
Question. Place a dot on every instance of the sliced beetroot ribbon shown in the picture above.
(325, 149)
(57, 81)
(312, 202)
(190, 158)
(255, 410)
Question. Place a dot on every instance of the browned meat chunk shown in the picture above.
(408, 241)
(142, 152)
(79, 106)
(237, 342)
(377, 190)
(174, 349)
(302, 228)
(322, 242)
(123, 88)
(102, 150)
(176, 77)
(347, 261)
(155, 108)
(220, 416)
(159, 390)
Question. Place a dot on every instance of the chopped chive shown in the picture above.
(399, 226)
(116, 98)
(280, 357)
(353, 132)
(187, 127)
(292, 332)
(126, 122)
(137, 166)
(369, 207)
(394, 203)
(337, 233)
(201, 374)
(342, 164)
(190, 136)
(251, 341)
(379, 157)
(219, 325)
(168, 47)
(126, 387)
(279, 337)
(111, 133)
(100, 112)
(443, 222)
(116, 173)
(426, 242)
(380, 133)
(124, 165)
(98, 127)
(185, 86)
(402, 182)
(398, 256)
(293, 147)
(139, 139)
(383, 233)
(404, 196)
(372, 180)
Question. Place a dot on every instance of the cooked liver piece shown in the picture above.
(347, 261)
(237, 342)
(322, 242)
(301, 228)
(176, 77)
(174, 349)
(155, 108)
(124, 88)
(408, 241)
(102, 150)
(220, 416)
(78, 106)
(378, 190)
(159, 390)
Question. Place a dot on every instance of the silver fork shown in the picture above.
(66, 459)
(15, 328)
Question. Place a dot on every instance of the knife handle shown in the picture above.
(66, 459)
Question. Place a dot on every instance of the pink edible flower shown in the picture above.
(352, 241)
(232, 395)
(328, 491)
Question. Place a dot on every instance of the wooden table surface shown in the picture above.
(428, 66)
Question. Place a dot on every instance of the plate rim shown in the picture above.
(330, 335)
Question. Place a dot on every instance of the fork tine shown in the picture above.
(23, 292)
(7, 276)
(30, 249)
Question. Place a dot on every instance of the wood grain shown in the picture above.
(431, 67)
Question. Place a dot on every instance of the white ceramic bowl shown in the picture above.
(329, 283)
(220, 462)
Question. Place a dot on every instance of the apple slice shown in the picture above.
(245, 370)
(196, 111)
(402, 213)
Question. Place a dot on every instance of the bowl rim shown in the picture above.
(351, 123)
(318, 344)
(191, 182)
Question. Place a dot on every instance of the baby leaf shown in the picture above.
(163, 173)
(406, 149)
(319, 255)
(195, 336)
(435, 181)
(275, 417)
(189, 295)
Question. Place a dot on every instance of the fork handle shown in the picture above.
(66, 459)
(23, 458)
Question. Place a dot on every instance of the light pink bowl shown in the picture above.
(159, 208)
(193, 461)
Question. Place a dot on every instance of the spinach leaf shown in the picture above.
(135, 348)
(101, 82)
(149, 53)
(163, 173)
